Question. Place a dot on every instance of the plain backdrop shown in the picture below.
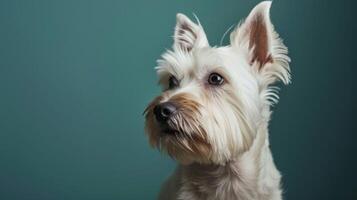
(75, 77)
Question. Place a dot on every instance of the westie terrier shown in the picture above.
(212, 116)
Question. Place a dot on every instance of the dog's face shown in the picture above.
(214, 98)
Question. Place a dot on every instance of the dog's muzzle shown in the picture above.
(163, 113)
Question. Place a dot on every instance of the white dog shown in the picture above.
(212, 116)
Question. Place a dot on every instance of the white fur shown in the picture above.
(234, 116)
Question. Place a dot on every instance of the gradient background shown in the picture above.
(75, 77)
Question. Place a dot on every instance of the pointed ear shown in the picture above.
(255, 33)
(264, 48)
(188, 35)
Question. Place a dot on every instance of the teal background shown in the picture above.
(75, 77)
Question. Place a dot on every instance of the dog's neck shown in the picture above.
(236, 177)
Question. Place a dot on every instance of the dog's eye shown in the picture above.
(173, 82)
(215, 79)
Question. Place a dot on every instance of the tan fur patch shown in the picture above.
(151, 127)
(190, 143)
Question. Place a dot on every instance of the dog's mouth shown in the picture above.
(169, 131)
(169, 128)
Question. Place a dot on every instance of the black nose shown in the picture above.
(163, 111)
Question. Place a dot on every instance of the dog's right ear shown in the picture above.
(188, 35)
(263, 47)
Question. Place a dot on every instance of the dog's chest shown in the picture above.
(234, 181)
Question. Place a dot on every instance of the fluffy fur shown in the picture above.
(221, 138)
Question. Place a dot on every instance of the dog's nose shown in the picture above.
(163, 111)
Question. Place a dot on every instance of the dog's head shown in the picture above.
(214, 98)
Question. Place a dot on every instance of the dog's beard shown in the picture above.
(183, 137)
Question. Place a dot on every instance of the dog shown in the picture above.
(212, 116)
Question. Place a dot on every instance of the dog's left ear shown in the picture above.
(188, 35)
(264, 49)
